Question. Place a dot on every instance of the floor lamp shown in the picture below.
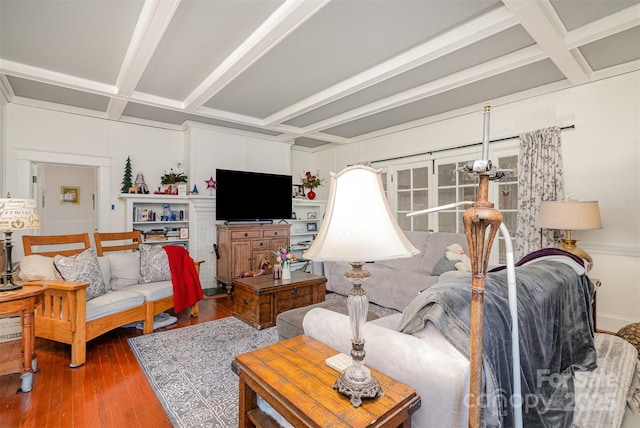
(358, 226)
(481, 223)
(15, 214)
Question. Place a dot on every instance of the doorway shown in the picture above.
(67, 198)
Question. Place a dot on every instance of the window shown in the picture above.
(454, 185)
(412, 194)
(440, 181)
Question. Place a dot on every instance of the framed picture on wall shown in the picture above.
(312, 227)
(69, 195)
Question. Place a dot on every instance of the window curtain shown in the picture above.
(540, 178)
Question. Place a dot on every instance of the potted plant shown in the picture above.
(169, 181)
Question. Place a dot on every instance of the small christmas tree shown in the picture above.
(126, 181)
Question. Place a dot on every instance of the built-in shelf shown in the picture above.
(147, 212)
(300, 232)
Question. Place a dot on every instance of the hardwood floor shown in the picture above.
(109, 390)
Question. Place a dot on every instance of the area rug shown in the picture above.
(189, 369)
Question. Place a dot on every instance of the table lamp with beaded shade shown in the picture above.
(358, 226)
(15, 214)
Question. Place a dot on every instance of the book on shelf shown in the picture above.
(154, 238)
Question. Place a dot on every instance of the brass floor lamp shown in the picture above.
(481, 224)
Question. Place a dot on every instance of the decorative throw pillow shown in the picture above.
(37, 268)
(82, 267)
(154, 264)
(125, 268)
(443, 265)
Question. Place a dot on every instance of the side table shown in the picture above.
(293, 378)
(24, 301)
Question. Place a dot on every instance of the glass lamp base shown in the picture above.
(9, 286)
(368, 388)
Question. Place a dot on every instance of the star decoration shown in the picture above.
(211, 184)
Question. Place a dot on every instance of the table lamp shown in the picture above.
(15, 214)
(358, 226)
(570, 215)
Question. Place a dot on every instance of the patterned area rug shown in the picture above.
(189, 369)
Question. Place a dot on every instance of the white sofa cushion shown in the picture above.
(105, 269)
(112, 302)
(153, 291)
(35, 267)
(429, 364)
(125, 268)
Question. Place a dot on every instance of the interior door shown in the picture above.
(66, 199)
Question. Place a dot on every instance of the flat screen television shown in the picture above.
(252, 196)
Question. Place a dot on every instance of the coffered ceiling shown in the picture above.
(311, 71)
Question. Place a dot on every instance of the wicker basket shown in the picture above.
(631, 333)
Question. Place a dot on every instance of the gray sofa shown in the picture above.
(427, 360)
(395, 283)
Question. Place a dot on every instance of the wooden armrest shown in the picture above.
(197, 264)
(60, 284)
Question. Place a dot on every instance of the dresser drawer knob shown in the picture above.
(294, 291)
(245, 301)
(246, 234)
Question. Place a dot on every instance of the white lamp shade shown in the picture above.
(569, 215)
(358, 224)
(16, 214)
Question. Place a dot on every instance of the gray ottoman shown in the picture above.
(289, 323)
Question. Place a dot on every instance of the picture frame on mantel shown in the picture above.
(298, 191)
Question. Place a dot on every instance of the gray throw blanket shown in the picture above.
(556, 337)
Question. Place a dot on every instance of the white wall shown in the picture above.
(3, 130)
(64, 138)
(601, 162)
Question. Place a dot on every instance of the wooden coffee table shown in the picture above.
(258, 300)
(293, 378)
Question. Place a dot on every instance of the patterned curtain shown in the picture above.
(539, 179)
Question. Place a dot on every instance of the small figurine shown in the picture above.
(141, 185)
(166, 212)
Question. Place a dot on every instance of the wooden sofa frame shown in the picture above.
(62, 316)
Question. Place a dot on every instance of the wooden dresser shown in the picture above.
(241, 248)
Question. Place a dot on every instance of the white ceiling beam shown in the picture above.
(542, 23)
(153, 21)
(279, 25)
(59, 79)
(6, 89)
(482, 27)
(503, 64)
(331, 138)
(604, 27)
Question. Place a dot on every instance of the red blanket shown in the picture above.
(187, 289)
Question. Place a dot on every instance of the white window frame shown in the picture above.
(496, 150)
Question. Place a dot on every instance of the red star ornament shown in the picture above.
(211, 184)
